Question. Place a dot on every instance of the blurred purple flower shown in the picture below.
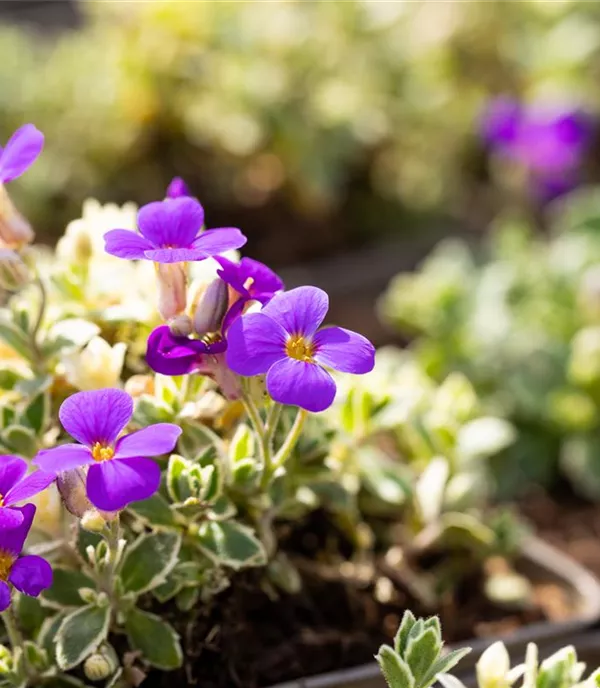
(20, 152)
(177, 188)
(29, 574)
(170, 233)
(549, 143)
(252, 280)
(119, 470)
(283, 342)
(16, 486)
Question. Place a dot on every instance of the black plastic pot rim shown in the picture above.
(535, 553)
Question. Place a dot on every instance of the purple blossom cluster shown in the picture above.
(243, 324)
(549, 143)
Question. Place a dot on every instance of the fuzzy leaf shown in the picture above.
(149, 561)
(444, 664)
(401, 639)
(64, 591)
(155, 639)
(422, 652)
(178, 485)
(80, 634)
(167, 590)
(231, 544)
(155, 511)
(15, 338)
(242, 444)
(47, 635)
(395, 670)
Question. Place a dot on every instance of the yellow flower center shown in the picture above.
(248, 283)
(299, 348)
(1, 500)
(100, 452)
(7, 559)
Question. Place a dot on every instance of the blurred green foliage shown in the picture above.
(314, 124)
(522, 322)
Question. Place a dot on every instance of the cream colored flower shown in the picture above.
(96, 366)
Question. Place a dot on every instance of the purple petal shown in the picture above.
(151, 441)
(298, 383)
(174, 222)
(174, 255)
(12, 469)
(124, 243)
(177, 188)
(112, 485)
(20, 152)
(215, 241)
(96, 416)
(13, 540)
(231, 273)
(501, 121)
(28, 487)
(233, 313)
(170, 355)
(10, 518)
(31, 574)
(4, 596)
(65, 457)
(254, 344)
(344, 350)
(299, 311)
(264, 280)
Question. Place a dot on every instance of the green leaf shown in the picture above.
(30, 614)
(401, 639)
(64, 591)
(444, 664)
(167, 590)
(15, 338)
(422, 652)
(155, 639)
(149, 561)
(155, 511)
(36, 414)
(20, 439)
(231, 544)
(187, 598)
(178, 485)
(395, 670)
(80, 633)
(242, 444)
(48, 632)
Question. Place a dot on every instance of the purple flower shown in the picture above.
(119, 471)
(252, 280)
(16, 486)
(168, 354)
(170, 233)
(29, 574)
(549, 143)
(177, 188)
(20, 152)
(282, 341)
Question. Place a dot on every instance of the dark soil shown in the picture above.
(249, 638)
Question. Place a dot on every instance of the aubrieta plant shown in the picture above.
(170, 482)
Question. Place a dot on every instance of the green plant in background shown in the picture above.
(417, 661)
(521, 323)
(258, 109)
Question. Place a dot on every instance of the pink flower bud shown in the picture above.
(211, 307)
(15, 231)
(172, 283)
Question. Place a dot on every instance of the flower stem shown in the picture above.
(290, 441)
(112, 539)
(14, 634)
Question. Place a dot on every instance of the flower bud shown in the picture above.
(15, 231)
(177, 188)
(92, 521)
(102, 664)
(72, 488)
(493, 667)
(181, 326)
(14, 274)
(172, 283)
(211, 307)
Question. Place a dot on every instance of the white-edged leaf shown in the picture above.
(148, 562)
(231, 544)
(80, 633)
(154, 638)
(395, 670)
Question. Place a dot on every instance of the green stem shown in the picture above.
(33, 335)
(290, 441)
(272, 422)
(112, 542)
(14, 634)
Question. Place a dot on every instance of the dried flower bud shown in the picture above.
(15, 231)
(72, 488)
(172, 283)
(102, 664)
(211, 307)
(181, 326)
(14, 274)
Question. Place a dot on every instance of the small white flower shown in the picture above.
(493, 667)
(96, 366)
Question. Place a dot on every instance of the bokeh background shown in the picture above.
(345, 138)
